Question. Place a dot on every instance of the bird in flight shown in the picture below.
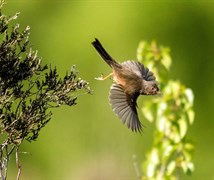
(131, 79)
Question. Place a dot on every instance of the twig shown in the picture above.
(1, 164)
(6, 162)
(18, 163)
(136, 166)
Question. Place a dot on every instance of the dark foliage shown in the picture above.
(28, 89)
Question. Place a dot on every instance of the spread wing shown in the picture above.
(124, 106)
(139, 69)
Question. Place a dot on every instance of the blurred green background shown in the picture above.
(88, 141)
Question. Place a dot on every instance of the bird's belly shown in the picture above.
(119, 79)
(129, 82)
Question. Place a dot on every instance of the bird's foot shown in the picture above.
(102, 78)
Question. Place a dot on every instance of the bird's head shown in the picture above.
(150, 88)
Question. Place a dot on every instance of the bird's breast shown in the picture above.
(130, 81)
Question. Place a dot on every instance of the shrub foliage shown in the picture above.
(172, 113)
(28, 90)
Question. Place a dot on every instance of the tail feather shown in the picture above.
(103, 53)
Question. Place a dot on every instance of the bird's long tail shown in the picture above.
(103, 53)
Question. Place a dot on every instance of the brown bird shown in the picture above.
(131, 79)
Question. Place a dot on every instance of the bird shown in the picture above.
(130, 79)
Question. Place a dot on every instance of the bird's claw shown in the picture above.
(99, 78)
(102, 78)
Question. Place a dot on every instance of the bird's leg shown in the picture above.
(101, 78)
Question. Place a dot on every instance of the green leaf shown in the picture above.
(154, 160)
(174, 135)
(171, 167)
(190, 167)
(155, 156)
(187, 167)
(161, 123)
(189, 95)
(168, 149)
(184, 166)
(191, 115)
(189, 146)
(182, 127)
(166, 60)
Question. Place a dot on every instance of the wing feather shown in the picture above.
(124, 106)
(139, 69)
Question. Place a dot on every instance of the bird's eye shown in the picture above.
(154, 88)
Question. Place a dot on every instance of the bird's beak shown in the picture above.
(159, 93)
